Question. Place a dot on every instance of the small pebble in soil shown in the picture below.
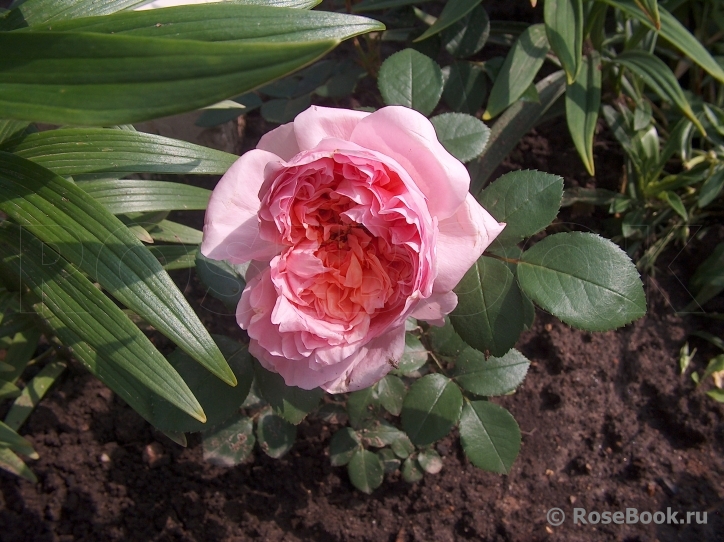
(153, 455)
(104, 458)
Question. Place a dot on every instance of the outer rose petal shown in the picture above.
(408, 137)
(318, 123)
(231, 226)
(371, 363)
(461, 240)
(281, 141)
(436, 307)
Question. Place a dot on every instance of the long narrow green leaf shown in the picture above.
(12, 463)
(96, 150)
(513, 124)
(453, 11)
(225, 22)
(172, 232)
(583, 100)
(33, 393)
(564, 28)
(10, 129)
(88, 236)
(88, 313)
(297, 4)
(676, 34)
(519, 69)
(128, 196)
(20, 352)
(651, 9)
(96, 79)
(33, 12)
(175, 256)
(10, 439)
(660, 78)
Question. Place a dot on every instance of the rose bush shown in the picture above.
(353, 222)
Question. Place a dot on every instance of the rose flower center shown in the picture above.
(352, 248)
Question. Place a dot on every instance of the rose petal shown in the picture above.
(318, 123)
(370, 363)
(281, 141)
(231, 228)
(408, 137)
(436, 307)
(461, 240)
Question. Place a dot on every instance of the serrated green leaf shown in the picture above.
(380, 433)
(402, 447)
(431, 408)
(32, 394)
(430, 461)
(462, 135)
(365, 471)
(513, 124)
(13, 464)
(89, 237)
(445, 341)
(657, 75)
(468, 35)
(490, 436)
(583, 100)
(414, 356)
(527, 201)
(492, 376)
(391, 392)
(291, 403)
(77, 305)
(411, 79)
(230, 444)
(583, 279)
(75, 151)
(224, 22)
(564, 28)
(466, 87)
(489, 315)
(276, 435)
(676, 34)
(285, 110)
(411, 471)
(10, 439)
(389, 462)
(96, 79)
(360, 406)
(133, 196)
(518, 71)
(453, 11)
(342, 446)
(219, 401)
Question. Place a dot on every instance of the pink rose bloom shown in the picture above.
(354, 222)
